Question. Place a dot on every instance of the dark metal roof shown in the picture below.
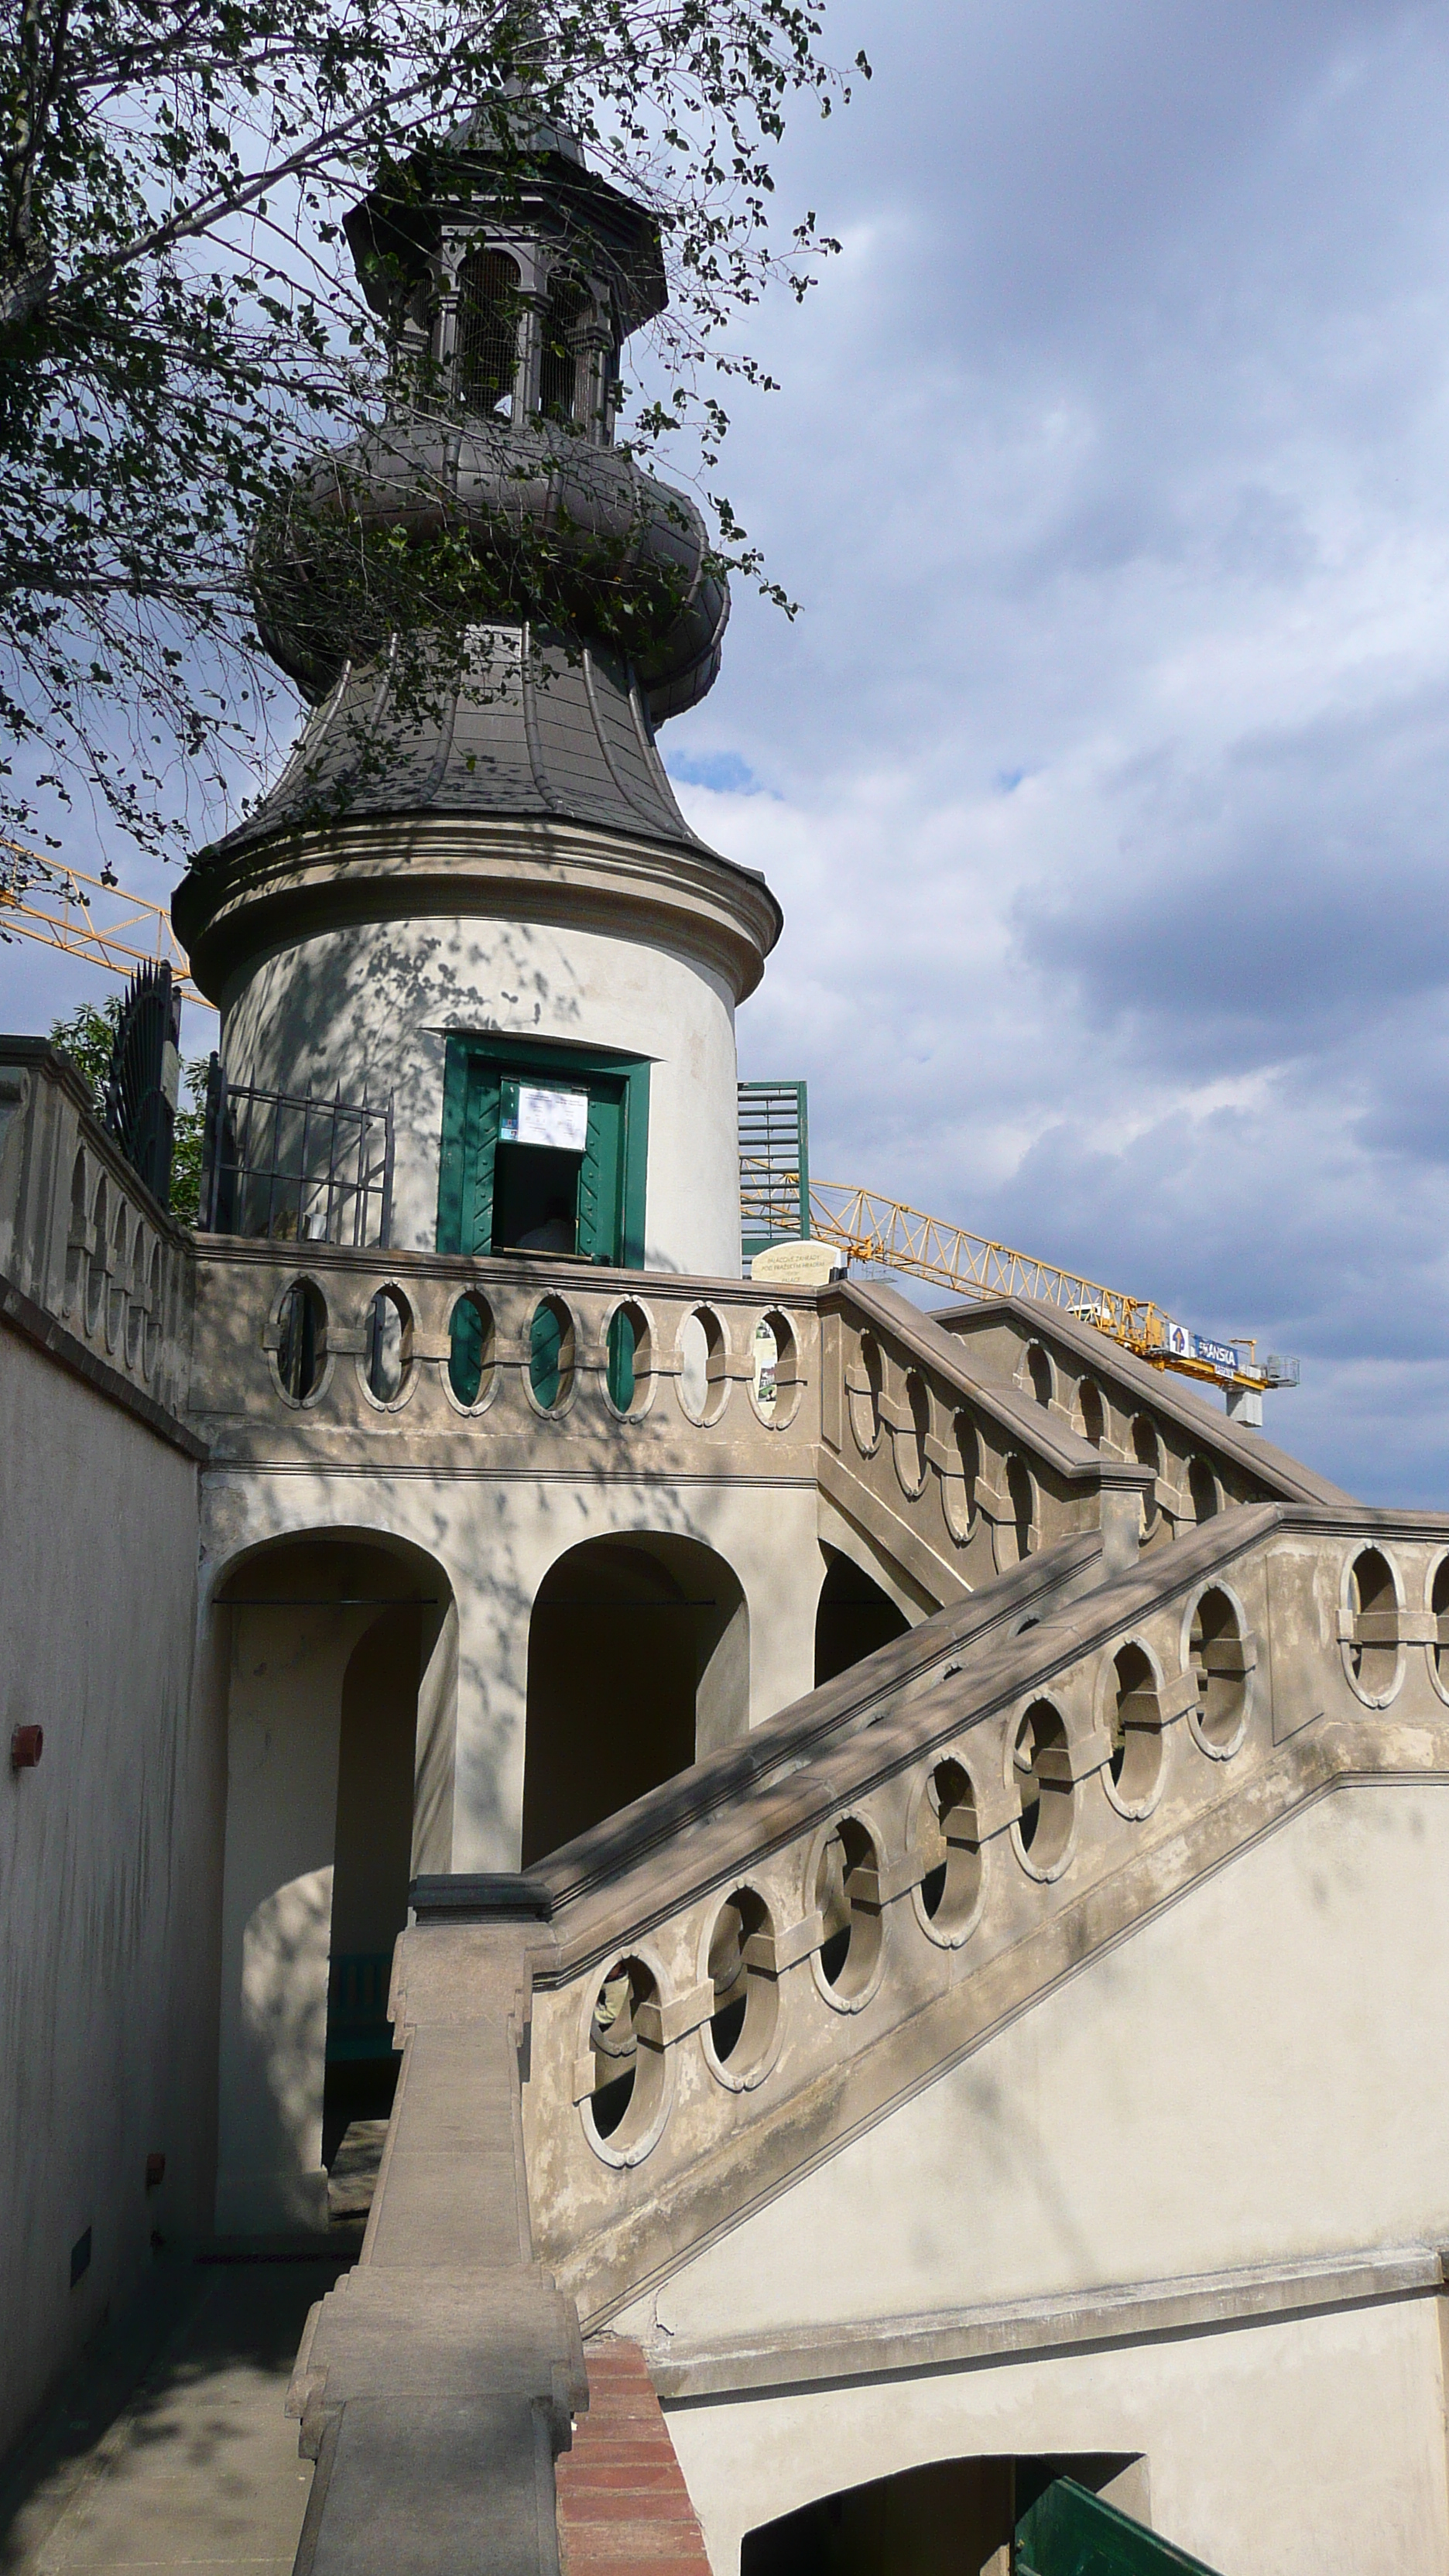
(534, 731)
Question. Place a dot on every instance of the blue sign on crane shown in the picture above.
(1225, 1357)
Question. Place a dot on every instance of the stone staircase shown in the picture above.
(611, 2058)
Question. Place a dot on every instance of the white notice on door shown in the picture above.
(557, 1118)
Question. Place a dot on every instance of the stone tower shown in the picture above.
(486, 903)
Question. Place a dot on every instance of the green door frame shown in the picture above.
(474, 1073)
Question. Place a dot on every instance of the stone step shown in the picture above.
(622, 2500)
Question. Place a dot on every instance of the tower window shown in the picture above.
(487, 346)
(559, 367)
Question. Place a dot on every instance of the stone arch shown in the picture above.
(638, 1663)
(853, 1616)
(340, 1656)
(961, 2512)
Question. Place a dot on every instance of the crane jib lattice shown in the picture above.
(887, 1234)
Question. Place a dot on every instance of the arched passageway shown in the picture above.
(638, 1662)
(372, 1865)
(853, 1617)
(947, 2516)
(340, 1663)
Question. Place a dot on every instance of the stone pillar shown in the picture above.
(436, 2384)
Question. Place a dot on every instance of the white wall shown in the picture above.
(286, 1669)
(1256, 2077)
(109, 1866)
(1312, 2447)
(375, 1002)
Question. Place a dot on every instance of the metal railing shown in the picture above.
(295, 1169)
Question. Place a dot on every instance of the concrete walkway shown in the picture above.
(172, 2452)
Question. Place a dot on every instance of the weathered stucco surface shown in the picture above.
(493, 1543)
(1243, 2080)
(375, 1002)
(109, 1865)
(1310, 2447)
(1246, 2081)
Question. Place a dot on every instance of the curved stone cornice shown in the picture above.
(242, 903)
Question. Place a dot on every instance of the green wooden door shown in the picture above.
(601, 1175)
(1071, 2532)
(611, 1189)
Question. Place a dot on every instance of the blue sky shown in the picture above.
(1104, 775)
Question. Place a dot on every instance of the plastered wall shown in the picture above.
(109, 1867)
(1307, 2447)
(1255, 2078)
(376, 1002)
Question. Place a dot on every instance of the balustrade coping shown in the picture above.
(750, 1800)
(543, 1271)
(1111, 1362)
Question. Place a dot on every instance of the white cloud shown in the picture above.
(1109, 753)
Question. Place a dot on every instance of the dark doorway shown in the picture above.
(535, 1199)
(376, 1757)
(853, 1618)
(638, 1661)
(947, 2518)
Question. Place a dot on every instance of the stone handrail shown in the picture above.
(82, 1242)
(805, 1948)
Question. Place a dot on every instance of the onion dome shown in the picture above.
(509, 276)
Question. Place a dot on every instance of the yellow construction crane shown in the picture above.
(63, 908)
(885, 1234)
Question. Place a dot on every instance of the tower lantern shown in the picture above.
(473, 873)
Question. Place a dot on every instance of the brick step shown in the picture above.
(622, 2500)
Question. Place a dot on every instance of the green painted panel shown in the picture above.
(357, 1991)
(472, 1092)
(622, 1346)
(601, 1175)
(545, 1341)
(453, 1159)
(613, 1177)
(1071, 2532)
(465, 1351)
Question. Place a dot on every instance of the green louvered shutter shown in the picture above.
(484, 1096)
(601, 1178)
(471, 1093)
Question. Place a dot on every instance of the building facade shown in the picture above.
(888, 1863)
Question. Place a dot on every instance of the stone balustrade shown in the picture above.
(82, 1242)
(310, 1349)
(740, 1973)
(957, 1474)
(311, 1341)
